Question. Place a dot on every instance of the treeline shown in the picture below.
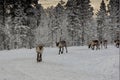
(24, 23)
(19, 19)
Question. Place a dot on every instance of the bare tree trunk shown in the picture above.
(52, 38)
(4, 44)
(72, 38)
(83, 40)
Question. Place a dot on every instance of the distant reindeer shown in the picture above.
(117, 43)
(104, 43)
(93, 44)
(61, 45)
(39, 50)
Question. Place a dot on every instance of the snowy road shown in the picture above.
(80, 63)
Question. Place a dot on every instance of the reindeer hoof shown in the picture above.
(39, 60)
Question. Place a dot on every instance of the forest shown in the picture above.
(25, 23)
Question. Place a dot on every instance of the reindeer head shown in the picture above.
(57, 44)
(40, 46)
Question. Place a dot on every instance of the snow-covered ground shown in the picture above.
(80, 63)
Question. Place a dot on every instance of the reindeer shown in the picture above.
(117, 43)
(39, 50)
(61, 45)
(104, 43)
(93, 44)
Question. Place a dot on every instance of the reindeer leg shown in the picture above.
(102, 45)
(106, 46)
(40, 57)
(37, 56)
(89, 45)
(59, 50)
(92, 47)
(97, 47)
(66, 49)
(117, 45)
(62, 50)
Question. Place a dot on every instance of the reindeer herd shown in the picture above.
(94, 44)
(98, 44)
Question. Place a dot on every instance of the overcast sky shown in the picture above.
(47, 3)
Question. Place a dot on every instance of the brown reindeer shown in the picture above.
(61, 45)
(39, 50)
(117, 43)
(93, 44)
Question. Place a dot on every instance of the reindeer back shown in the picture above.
(61, 44)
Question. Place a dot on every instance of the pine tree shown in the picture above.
(72, 19)
(51, 24)
(17, 29)
(1, 21)
(59, 18)
(19, 19)
(101, 21)
(3, 15)
(42, 23)
(56, 18)
(85, 17)
(33, 12)
(80, 14)
(114, 11)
